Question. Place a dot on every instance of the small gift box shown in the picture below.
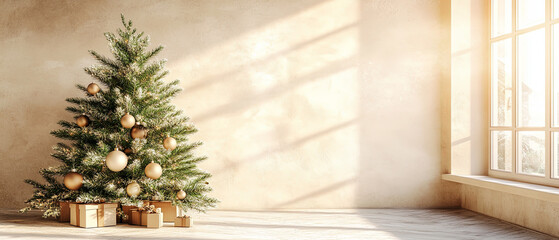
(155, 219)
(138, 217)
(183, 221)
(127, 213)
(170, 212)
(64, 211)
(93, 215)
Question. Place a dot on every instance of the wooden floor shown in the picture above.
(292, 225)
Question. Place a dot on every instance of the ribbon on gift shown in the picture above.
(77, 215)
(148, 208)
(101, 215)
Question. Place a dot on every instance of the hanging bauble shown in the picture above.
(73, 180)
(138, 131)
(93, 88)
(82, 120)
(181, 194)
(127, 121)
(170, 143)
(128, 151)
(133, 189)
(116, 160)
(153, 170)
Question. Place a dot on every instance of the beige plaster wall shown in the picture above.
(469, 86)
(301, 104)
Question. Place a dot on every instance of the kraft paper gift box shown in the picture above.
(138, 217)
(93, 215)
(154, 220)
(144, 217)
(64, 211)
(135, 217)
(183, 221)
(170, 212)
(127, 210)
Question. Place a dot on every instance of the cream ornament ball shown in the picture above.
(93, 88)
(73, 180)
(116, 160)
(181, 194)
(153, 170)
(133, 189)
(170, 143)
(127, 121)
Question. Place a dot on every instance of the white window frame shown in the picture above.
(548, 129)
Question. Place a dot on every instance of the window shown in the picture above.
(524, 83)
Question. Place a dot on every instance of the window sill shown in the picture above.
(545, 193)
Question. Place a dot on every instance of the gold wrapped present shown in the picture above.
(138, 217)
(183, 221)
(155, 219)
(170, 212)
(93, 215)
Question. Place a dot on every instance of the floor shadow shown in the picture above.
(318, 192)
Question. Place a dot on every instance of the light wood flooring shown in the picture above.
(292, 225)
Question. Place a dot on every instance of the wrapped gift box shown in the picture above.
(183, 221)
(170, 212)
(127, 210)
(64, 211)
(154, 220)
(93, 215)
(138, 217)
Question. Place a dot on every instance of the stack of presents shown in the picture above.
(152, 214)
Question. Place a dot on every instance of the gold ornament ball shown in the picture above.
(82, 121)
(127, 121)
(181, 194)
(73, 180)
(170, 143)
(93, 88)
(116, 160)
(128, 150)
(133, 189)
(153, 170)
(138, 131)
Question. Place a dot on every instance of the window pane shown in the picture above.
(555, 155)
(501, 150)
(555, 69)
(555, 9)
(531, 79)
(530, 13)
(501, 17)
(501, 83)
(531, 152)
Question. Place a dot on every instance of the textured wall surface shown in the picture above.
(469, 86)
(301, 104)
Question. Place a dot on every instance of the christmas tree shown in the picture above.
(128, 143)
